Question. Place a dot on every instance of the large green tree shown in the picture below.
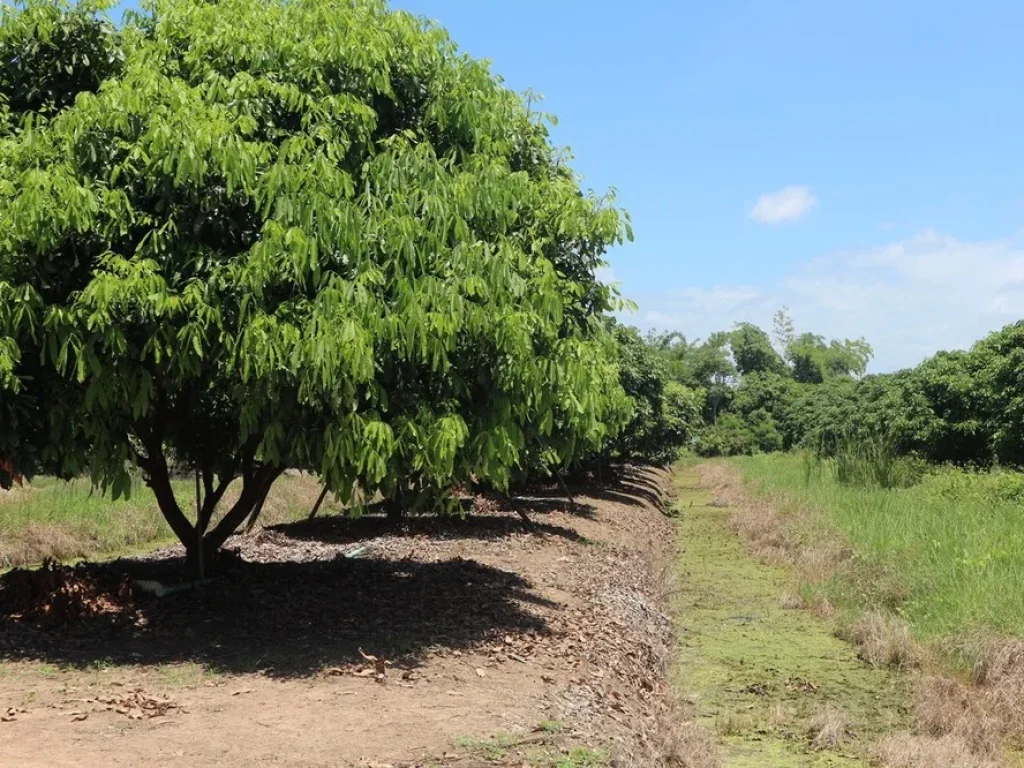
(254, 234)
(699, 365)
(993, 392)
(813, 359)
(665, 415)
(753, 352)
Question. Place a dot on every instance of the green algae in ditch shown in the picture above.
(757, 673)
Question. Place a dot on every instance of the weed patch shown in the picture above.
(775, 684)
(541, 751)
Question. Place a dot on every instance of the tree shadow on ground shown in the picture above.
(636, 487)
(628, 493)
(338, 529)
(292, 619)
(546, 504)
(624, 484)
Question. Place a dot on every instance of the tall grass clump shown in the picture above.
(867, 460)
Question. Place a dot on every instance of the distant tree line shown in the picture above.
(753, 384)
(963, 407)
(763, 393)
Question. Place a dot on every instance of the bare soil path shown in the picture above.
(494, 645)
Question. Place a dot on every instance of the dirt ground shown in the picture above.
(465, 642)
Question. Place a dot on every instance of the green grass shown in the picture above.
(184, 675)
(954, 541)
(506, 749)
(71, 520)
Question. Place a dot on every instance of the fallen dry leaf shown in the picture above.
(138, 705)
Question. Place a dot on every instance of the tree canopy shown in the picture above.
(753, 351)
(246, 235)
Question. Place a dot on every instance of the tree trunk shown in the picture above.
(255, 488)
(565, 488)
(257, 510)
(200, 527)
(395, 508)
(319, 501)
(159, 480)
(201, 546)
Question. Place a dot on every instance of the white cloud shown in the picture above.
(788, 204)
(909, 298)
(606, 275)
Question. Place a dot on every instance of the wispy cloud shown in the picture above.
(788, 204)
(909, 298)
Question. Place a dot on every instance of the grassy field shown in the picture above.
(954, 542)
(71, 520)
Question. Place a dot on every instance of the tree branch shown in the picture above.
(255, 487)
(207, 478)
(214, 496)
(159, 480)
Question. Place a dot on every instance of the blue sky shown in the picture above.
(858, 161)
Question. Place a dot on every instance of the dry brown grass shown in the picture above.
(821, 558)
(824, 608)
(779, 717)
(996, 660)
(689, 745)
(773, 537)
(909, 751)
(988, 708)
(35, 542)
(965, 722)
(291, 498)
(831, 729)
(884, 641)
(734, 723)
(999, 675)
(791, 601)
(945, 706)
(763, 530)
(16, 493)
